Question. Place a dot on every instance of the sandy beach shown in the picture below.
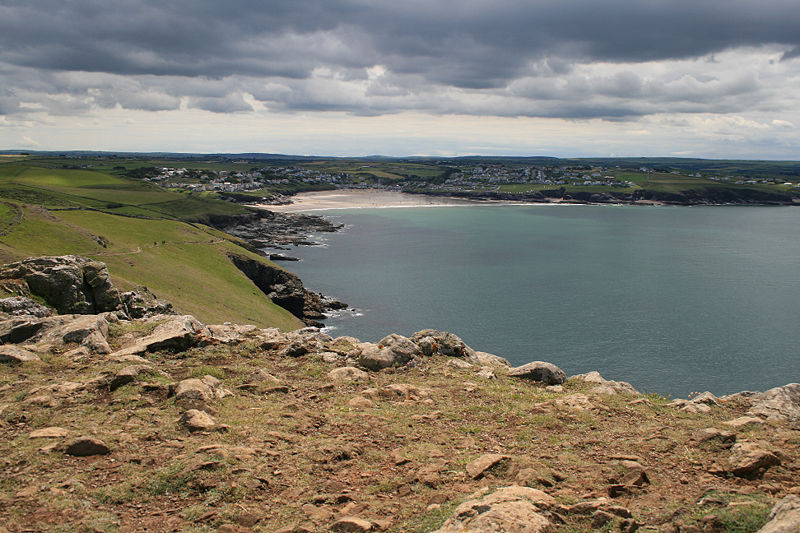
(363, 198)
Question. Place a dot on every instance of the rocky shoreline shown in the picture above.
(162, 423)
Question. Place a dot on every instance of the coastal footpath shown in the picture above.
(119, 413)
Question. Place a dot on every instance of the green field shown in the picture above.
(63, 211)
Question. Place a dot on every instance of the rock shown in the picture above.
(442, 343)
(485, 463)
(487, 359)
(459, 363)
(629, 473)
(540, 371)
(750, 460)
(576, 402)
(359, 402)
(49, 433)
(780, 403)
(353, 524)
(508, 510)
(262, 376)
(723, 438)
(486, 373)
(129, 374)
(784, 517)
(86, 446)
(399, 392)
(392, 350)
(605, 386)
(196, 420)
(70, 283)
(196, 393)
(744, 421)
(10, 353)
(347, 374)
(23, 306)
(90, 331)
(141, 303)
(177, 334)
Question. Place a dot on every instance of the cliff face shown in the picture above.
(286, 290)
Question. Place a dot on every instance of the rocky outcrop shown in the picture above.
(176, 334)
(70, 283)
(286, 290)
(90, 331)
(392, 350)
(600, 385)
(74, 285)
(510, 509)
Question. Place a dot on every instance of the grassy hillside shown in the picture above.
(63, 211)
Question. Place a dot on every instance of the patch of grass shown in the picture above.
(207, 370)
(734, 513)
(429, 520)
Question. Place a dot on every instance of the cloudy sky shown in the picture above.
(695, 78)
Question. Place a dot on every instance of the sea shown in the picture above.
(674, 300)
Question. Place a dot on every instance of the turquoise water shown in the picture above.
(671, 299)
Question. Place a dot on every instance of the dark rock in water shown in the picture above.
(21, 306)
(286, 290)
(269, 229)
(281, 257)
(540, 371)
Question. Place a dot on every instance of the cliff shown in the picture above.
(163, 423)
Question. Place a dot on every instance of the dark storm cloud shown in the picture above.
(153, 53)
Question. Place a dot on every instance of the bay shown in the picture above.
(672, 299)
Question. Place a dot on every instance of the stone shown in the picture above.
(540, 371)
(129, 374)
(629, 473)
(10, 353)
(359, 402)
(780, 403)
(487, 359)
(575, 402)
(176, 334)
(23, 306)
(605, 386)
(507, 510)
(392, 350)
(264, 377)
(401, 392)
(141, 303)
(723, 438)
(347, 374)
(442, 343)
(486, 373)
(750, 460)
(316, 514)
(481, 466)
(744, 421)
(196, 420)
(351, 524)
(784, 517)
(459, 363)
(86, 446)
(196, 393)
(90, 331)
(49, 433)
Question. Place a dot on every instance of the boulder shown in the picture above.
(23, 306)
(392, 350)
(784, 517)
(196, 393)
(177, 333)
(70, 283)
(10, 353)
(540, 371)
(197, 420)
(750, 460)
(141, 303)
(605, 386)
(508, 510)
(90, 331)
(487, 359)
(780, 403)
(351, 524)
(347, 374)
(442, 343)
(49, 433)
(86, 446)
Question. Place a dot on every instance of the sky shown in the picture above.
(689, 78)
